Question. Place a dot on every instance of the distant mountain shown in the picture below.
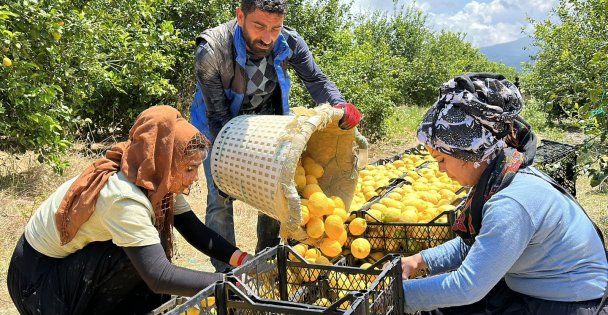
(512, 53)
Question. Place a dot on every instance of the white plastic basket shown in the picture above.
(254, 158)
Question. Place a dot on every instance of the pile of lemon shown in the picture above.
(375, 176)
(428, 194)
(323, 217)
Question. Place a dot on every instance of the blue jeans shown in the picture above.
(220, 218)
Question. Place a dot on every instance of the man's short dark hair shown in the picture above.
(270, 6)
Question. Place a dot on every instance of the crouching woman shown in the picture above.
(102, 242)
(524, 245)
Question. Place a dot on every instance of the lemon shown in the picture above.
(338, 202)
(360, 248)
(374, 215)
(357, 226)
(322, 302)
(391, 215)
(334, 226)
(341, 213)
(408, 216)
(300, 181)
(300, 249)
(315, 227)
(310, 189)
(7, 62)
(314, 169)
(300, 170)
(343, 238)
(305, 215)
(318, 204)
(330, 247)
(311, 180)
(312, 253)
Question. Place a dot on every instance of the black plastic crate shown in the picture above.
(201, 303)
(558, 160)
(280, 274)
(405, 239)
(231, 297)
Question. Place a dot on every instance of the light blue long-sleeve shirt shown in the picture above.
(539, 240)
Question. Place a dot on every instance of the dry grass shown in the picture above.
(24, 184)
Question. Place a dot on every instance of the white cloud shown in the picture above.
(486, 22)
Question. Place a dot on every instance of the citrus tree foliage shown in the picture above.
(75, 68)
(90, 67)
(570, 74)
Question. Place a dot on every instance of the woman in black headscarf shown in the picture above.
(524, 245)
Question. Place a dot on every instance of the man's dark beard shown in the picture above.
(251, 45)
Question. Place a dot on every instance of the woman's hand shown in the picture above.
(238, 258)
(411, 265)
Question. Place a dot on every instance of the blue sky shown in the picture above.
(486, 22)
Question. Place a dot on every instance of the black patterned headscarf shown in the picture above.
(472, 117)
(476, 119)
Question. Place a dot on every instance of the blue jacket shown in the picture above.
(536, 238)
(221, 83)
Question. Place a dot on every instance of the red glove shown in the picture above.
(351, 117)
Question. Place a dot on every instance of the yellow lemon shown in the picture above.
(330, 248)
(366, 265)
(208, 302)
(315, 170)
(312, 254)
(322, 302)
(341, 213)
(309, 274)
(343, 238)
(300, 249)
(305, 215)
(360, 248)
(379, 206)
(408, 216)
(193, 311)
(315, 227)
(370, 194)
(311, 180)
(310, 189)
(374, 215)
(357, 226)
(334, 226)
(338, 280)
(318, 204)
(376, 255)
(331, 205)
(7, 62)
(391, 214)
(300, 170)
(300, 182)
(339, 202)
(445, 208)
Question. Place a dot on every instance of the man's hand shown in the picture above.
(351, 116)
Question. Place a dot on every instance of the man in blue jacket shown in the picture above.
(241, 69)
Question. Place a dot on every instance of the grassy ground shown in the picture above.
(24, 184)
